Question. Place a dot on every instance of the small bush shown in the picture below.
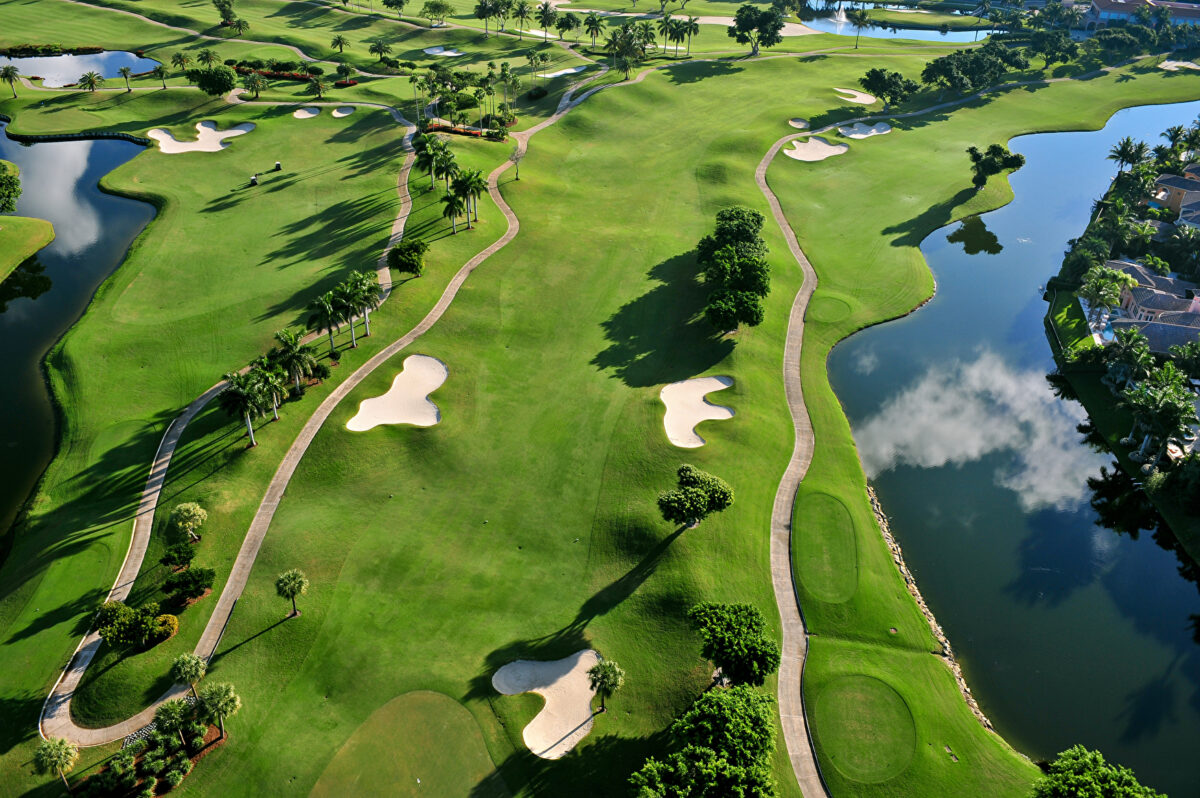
(321, 371)
(174, 778)
(313, 69)
(152, 765)
(189, 584)
(230, 62)
(536, 93)
(408, 257)
(147, 791)
(165, 627)
(179, 555)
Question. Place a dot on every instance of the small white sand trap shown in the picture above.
(687, 407)
(308, 112)
(572, 71)
(407, 401)
(441, 51)
(911, 11)
(208, 138)
(814, 149)
(1175, 66)
(799, 123)
(345, 110)
(860, 97)
(567, 716)
(860, 130)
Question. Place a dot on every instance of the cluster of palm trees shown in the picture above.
(262, 386)
(463, 187)
(678, 29)
(629, 44)
(437, 83)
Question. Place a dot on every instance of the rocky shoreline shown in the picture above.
(947, 652)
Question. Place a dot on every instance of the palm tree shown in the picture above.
(453, 210)
(325, 316)
(254, 82)
(1175, 135)
(664, 27)
(181, 60)
(340, 42)
(427, 157)
(90, 81)
(474, 184)
(241, 397)
(318, 86)
(522, 13)
(692, 28)
(56, 755)
(459, 189)
(345, 300)
(368, 295)
(171, 716)
(10, 75)
(189, 669)
(125, 72)
(290, 584)
(294, 356)
(379, 47)
(677, 33)
(485, 10)
(606, 677)
(269, 381)
(219, 701)
(161, 73)
(208, 57)
(239, 26)
(593, 27)
(445, 167)
(546, 14)
(860, 20)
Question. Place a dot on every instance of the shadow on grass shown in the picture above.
(696, 71)
(662, 336)
(599, 767)
(911, 232)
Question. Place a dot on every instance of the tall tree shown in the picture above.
(252, 81)
(219, 701)
(241, 397)
(379, 47)
(453, 209)
(10, 75)
(696, 496)
(189, 669)
(485, 10)
(181, 60)
(340, 42)
(592, 26)
(396, 5)
(756, 27)
(126, 72)
(90, 81)
(56, 755)
(161, 73)
(268, 379)
(187, 517)
(290, 584)
(606, 677)
(208, 57)
(323, 315)
(345, 300)
(522, 12)
(295, 357)
(546, 15)
(860, 20)
(1102, 288)
(172, 716)
(735, 640)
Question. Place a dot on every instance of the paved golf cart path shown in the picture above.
(55, 719)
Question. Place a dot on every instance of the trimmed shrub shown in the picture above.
(165, 627)
(313, 69)
(536, 93)
(189, 584)
(408, 257)
(179, 555)
(174, 778)
(321, 371)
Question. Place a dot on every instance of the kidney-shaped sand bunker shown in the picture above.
(407, 401)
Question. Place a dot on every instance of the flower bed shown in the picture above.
(341, 84)
(267, 73)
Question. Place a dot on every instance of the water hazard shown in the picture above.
(60, 70)
(1069, 630)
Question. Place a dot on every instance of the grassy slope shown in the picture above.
(871, 271)
(20, 237)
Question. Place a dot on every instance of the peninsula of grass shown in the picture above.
(20, 239)
(870, 272)
(925, 19)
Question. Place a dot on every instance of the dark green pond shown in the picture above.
(1068, 631)
(44, 297)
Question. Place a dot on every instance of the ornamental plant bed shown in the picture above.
(25, 50)
(341, 84)
(455, 130)
(267, 73)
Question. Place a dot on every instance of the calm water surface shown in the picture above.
(45, 296)
(1069, 632)
(846, 29)
(59, 70)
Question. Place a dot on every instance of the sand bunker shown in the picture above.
(798, 122)
(441, 51)
(1175, 66)
(308, 112)
(687, 407)
(814, 149)
(345, 110)
(407, 401)
(208, 138)
(567, 716)
(860, 130)
(571, 71)
(860, 97)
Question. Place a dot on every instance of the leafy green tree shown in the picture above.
(241, 398)
(172, 717)
(10, 187)
(993, 161)
(1102, 289)
(90, 81)
(294, 356)
(1079, 773)
(1054, 46)
(254, 82)
(738, 722)
(485, 10)
(218, 702)
(696, 496)
(121, 626)
(727, 310)
(190, 584)
(161, 73)
(408, 257)
(290, 584)
(756, 27)
(891, 87)
(1161, 404)
(10, 75)
(606, 677)
(340, 42)
(735, 640)
(189, 669)
(178, 556)
(217, 81)
(436, 11)
(56, 755)
(323, 315)
(1187, 357)
(697, 771)
(187, 518)
(738, 227)
(396, 5)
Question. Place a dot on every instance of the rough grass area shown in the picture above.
(419, 744)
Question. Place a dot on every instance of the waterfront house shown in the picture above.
(1102, 13)
(1165, 309)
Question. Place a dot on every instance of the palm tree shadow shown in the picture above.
(661, 336)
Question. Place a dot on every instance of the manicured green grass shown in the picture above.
(21, 238)
(897, 189)
(418, 744)
(928, 19)
(1071, 325)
